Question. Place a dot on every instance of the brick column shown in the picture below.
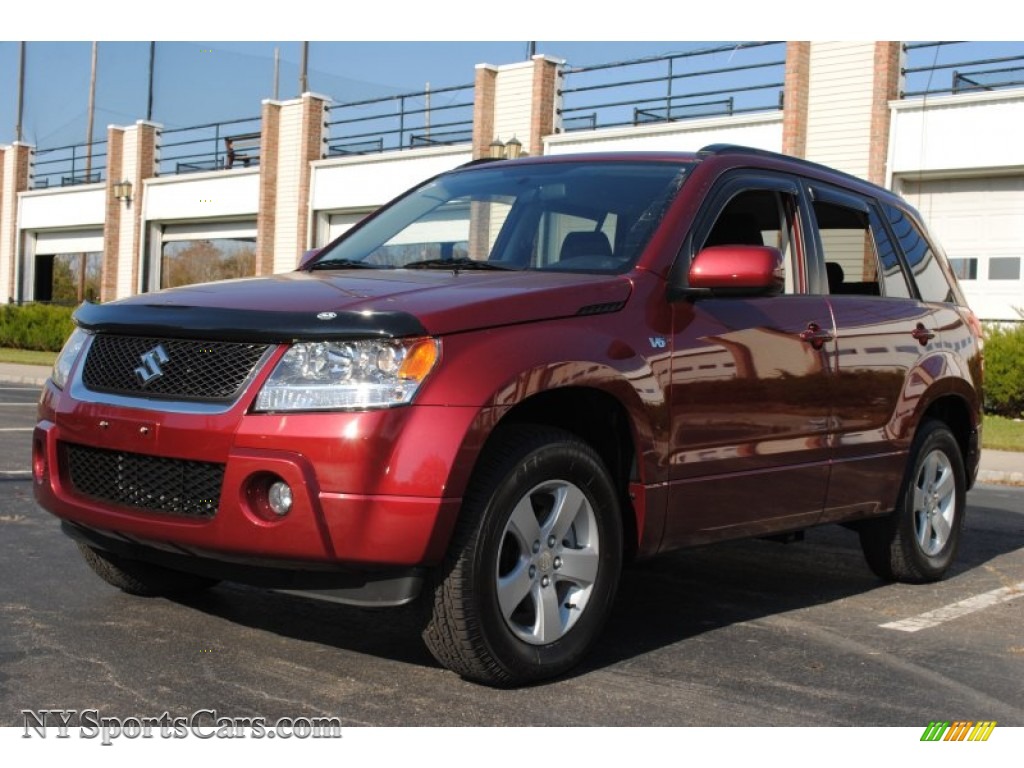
(132, 157)
(112, 215)
(292, 137)
(887, 78)
(15, 176)
(266, 216)
(483, 109)
(313, 147)
(545, 99)
(794, 114)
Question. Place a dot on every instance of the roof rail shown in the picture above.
(739, 149)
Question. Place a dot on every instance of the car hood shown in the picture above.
(354, 303)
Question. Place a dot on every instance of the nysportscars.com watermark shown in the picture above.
(201, 724)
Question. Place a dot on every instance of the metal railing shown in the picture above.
(69, 165)
(211, 146)
(959, 66)
(720, 80)
(439, 116)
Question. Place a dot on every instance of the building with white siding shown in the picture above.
(304, 171)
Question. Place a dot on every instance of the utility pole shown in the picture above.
(21, 90)
(152, 65)
(91, 111)
(277, 69)
(303, 79)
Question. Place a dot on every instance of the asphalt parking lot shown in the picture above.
(749, 633)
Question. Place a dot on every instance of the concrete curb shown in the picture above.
(27, 380)
(993, 477)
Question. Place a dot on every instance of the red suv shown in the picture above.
(517, 376)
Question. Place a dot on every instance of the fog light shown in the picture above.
(39, 466)
(279, 497)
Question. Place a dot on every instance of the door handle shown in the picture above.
(922, 334)
(816, 336)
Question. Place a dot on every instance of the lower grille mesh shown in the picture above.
(152, 483)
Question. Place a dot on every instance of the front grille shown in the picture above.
(145, 482)
(209, 371)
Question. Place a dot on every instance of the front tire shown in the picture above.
(918, 541)
(144, 579)
(534, 563)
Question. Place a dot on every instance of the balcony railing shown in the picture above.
(69, 165)
(719, 80)
(440, 116)
(949, 67)
(211, 146)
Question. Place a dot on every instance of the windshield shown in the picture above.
(575, 217)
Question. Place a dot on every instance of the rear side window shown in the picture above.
(851, 259)
(921, 258)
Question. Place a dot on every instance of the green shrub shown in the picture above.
(35, 326)
(1004, 370)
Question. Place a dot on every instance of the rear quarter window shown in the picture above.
(922, 259)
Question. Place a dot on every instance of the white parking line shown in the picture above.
(16, 429)
(15, 473)
(956, 610)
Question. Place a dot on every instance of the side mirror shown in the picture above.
(307, 257)
(738, 269)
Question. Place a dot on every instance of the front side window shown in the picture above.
(759, 217)
(571, 216)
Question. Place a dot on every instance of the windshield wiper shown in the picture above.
(457, 264)
(344, 264)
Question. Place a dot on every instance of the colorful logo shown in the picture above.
(958, 730)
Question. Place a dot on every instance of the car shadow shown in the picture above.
(660, 602)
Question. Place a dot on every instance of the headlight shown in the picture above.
(67, 357)
(315, 376)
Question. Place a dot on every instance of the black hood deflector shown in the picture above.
(212, 323)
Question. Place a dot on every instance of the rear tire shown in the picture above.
(534, 562)
(918, 541)
(144, 579)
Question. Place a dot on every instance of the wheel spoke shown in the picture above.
(569, 502)
(923, 529)
(931, 469)
(946, 484)
(523, 524)
(513, 587)
(549, 615)
(579, 566)
(940, 525)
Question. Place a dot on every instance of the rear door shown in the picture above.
(884, 333)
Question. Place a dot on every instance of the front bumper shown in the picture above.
(369, 587)
(370, 489)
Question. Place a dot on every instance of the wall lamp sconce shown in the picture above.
(508, 151)
(123, 191)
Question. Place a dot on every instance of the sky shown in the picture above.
(207, 81)
(377, 49)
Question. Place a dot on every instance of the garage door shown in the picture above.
(340, 223)
(980, 223)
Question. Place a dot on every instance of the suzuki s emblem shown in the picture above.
(151, 362)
